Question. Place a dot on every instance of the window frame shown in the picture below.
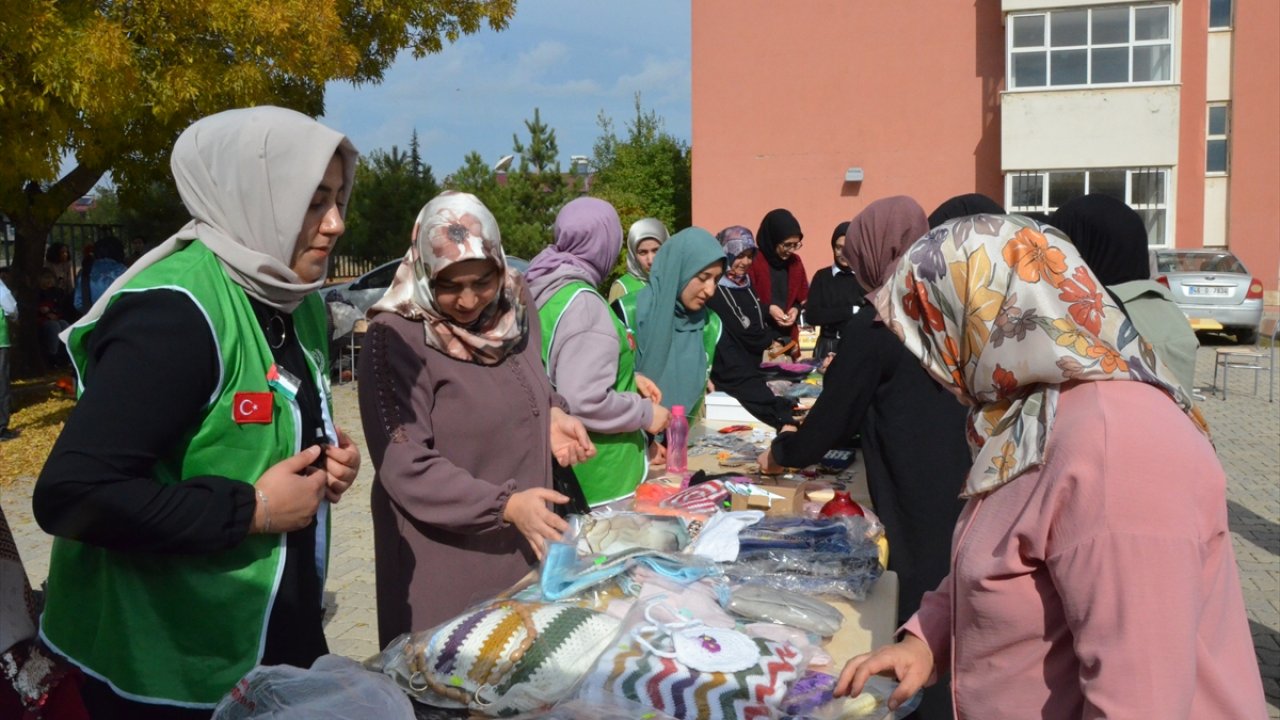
(1231, 15)
(1224, 137)
(1046, 48)
(1163, 205)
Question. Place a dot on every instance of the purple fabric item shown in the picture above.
(588, 235)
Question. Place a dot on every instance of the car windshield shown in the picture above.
(1223, 262)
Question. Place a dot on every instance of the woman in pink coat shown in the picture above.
(1092, 573)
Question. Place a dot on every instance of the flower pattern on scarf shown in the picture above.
(1020, 314)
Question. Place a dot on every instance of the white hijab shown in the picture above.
(247, 177)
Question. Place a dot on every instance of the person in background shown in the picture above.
(835, 296)
(187, 489)
(643, 240)
(747, 334)
(675, 333)
(98, 272)
(964, 206)
(8, 314)
(586, 350)
(58, 260)
(54, 306)
(1092, 573)
(778, 275)
(1112, 239)
(461, 422)
(912, 429)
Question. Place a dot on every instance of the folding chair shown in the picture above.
(1254, 358)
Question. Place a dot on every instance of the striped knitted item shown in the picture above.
(629, 671)
(480, 645)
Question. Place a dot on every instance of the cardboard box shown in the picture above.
(790, 503)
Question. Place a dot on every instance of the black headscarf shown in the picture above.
(776, 227)
(1110, 236)
(841, 230)
(964, 206)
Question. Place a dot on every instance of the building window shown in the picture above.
(1119, 45)
(1216, 151)
(1146, 190)
(1220, 14)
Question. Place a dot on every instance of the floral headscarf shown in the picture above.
(454, 227)
(1004, 312)
(735, 240)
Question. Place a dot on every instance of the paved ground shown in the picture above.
(1246, 428)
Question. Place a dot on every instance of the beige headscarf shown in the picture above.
(454, 227)
(247, 177)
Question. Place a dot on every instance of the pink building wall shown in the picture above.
(1254, 197)
(788, 95)
(1192, 122)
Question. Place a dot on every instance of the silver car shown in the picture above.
(369, 288)
(1211, 285)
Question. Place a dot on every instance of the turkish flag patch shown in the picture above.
(252, 407)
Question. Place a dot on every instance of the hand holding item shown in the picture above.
(289, 493)
(528, 511)
(911, 661)
(342, 461)
(793, 315)
(569, 441)
(780, 316)
(661, 416)
(648, 389)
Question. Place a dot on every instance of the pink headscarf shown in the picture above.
(454, 227)
(879, 235)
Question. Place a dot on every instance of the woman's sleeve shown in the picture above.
(397, 409)
(932, 624)
(616, 290)
(153, 366)
(584, 369)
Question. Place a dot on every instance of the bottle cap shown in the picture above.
(677, 409)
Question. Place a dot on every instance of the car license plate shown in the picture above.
(1208, 290)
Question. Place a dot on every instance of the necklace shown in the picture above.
(276, 331)
(742, 316)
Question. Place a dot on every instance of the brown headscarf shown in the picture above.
(454, 227)
(879, 235)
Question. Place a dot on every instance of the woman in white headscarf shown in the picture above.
(644, 238)
(188, 489)
(461, 423)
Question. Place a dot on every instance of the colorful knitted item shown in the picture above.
(489, 661)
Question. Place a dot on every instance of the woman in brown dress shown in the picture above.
(461, 423)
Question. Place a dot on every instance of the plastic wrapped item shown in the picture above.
(849, 575)
(690, 671)
(335, 688)
(565, 574)
(871, 704)
(613, 707)
(836, 535)
(771, 604)
(501, 659)
(616, 532)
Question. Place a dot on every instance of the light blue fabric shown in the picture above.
(101, 275)
(564, 574)
(669, 337)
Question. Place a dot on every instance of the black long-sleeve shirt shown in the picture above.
(832, 298)
(745, 336)
(153, 365)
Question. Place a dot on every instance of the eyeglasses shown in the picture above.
(796, 245)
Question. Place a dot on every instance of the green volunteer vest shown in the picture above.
(710, 336)
(621, 462)
(183, 629)
(629, 284)
(4, 330)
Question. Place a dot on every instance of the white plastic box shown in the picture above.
(721, 407)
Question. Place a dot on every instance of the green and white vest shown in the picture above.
(621, 462)
(710, 336)
(183, 629)
(629, 283)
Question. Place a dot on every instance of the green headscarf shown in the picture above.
(668, 337)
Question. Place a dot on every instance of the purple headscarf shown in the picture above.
(588, 236)
(735, 240)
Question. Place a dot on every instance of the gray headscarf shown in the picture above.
(641, 230)
(247, 177)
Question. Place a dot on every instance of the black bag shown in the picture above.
(565, 482)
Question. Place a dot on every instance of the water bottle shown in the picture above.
(677, 441)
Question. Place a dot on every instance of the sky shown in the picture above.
(570, 58)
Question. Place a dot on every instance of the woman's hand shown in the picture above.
(293, 490)
(648, 389)
(779, 316)
(342, 461)
(569, 441)
(793, 315)
(711, 387)
(657, 453)
(911, 661)
(528, 511)
(767, 465)
(661, 416)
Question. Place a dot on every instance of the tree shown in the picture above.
(534, 193)
(112, 83)
(646, 175)
(391, 187)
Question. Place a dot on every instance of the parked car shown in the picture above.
(1212, 285)
(369, 288)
